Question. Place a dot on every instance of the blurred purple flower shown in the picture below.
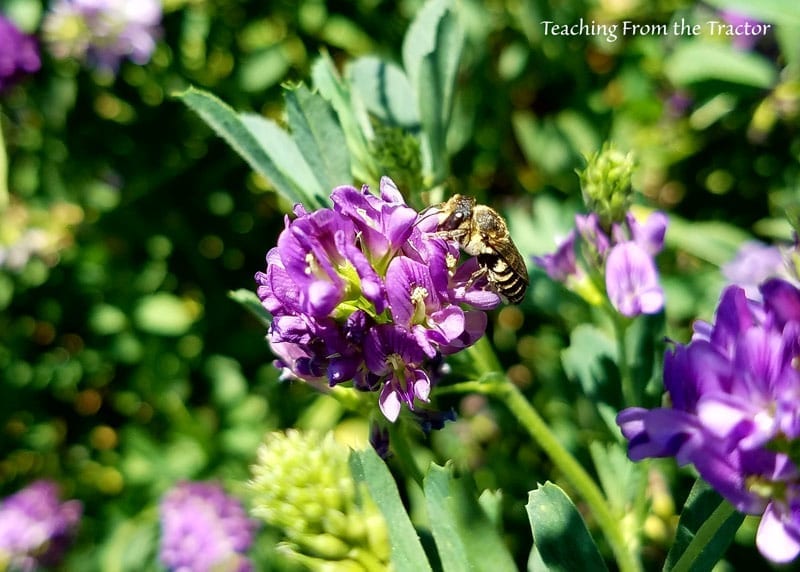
(367, 292)
(103, 32)
(204, 529)
(622, 256)
(19, 55)
(35, 528)
(561, 264)
(753, 263)
(744, 42)
(735, 412)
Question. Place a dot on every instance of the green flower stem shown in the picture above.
(530, 419)
(503, 389)
(401, 448)
(703, 536)
(3, 173)
(630, 396)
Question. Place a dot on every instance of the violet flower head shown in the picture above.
(748, 29)
(620, 256)
(368, 293)
(204, 529)
(19, 54)
(754, 263)
(735, 395)
(102, 33)
(35, 527)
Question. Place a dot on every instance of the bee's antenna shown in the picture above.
(428, 212)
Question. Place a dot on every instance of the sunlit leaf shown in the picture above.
(352, 120)
(131, 543)
(431, 54)
(407, 552)
(385, 90)
(163, 314)
(248, 137)
(263, 68)
(696, 61)
(466, 538)
(316, 129)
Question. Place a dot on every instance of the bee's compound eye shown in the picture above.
(459, 215)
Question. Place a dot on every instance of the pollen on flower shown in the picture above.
(311, 264)
(451, 261)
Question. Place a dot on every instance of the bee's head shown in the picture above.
(456, 212)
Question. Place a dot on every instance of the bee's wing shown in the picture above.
(511, 256)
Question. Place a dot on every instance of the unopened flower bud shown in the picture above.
(606, 184)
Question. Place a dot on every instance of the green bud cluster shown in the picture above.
(302, 485)
(606, 184)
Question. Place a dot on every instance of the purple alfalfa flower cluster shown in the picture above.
(203, 528)
(735, 410)
(102, 33)
(36, 528)
(755, 262)
(620, 256)
(368, 292)
(19, 54)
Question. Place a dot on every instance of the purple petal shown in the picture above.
(591, 231)
(421, 383)
(650, 234)
(733, 316)
(632, 281)
(777, 537)
(411, 290)
(782, 299)
(389, 402)
(659, 433)
(390, 193)
(561, 264)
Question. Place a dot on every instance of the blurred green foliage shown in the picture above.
(125, 364)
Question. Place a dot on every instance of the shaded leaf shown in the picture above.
(590, 360)
(559, 532)
(252, 304)
(702, 502)
(644, 341)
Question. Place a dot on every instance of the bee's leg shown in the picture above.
(479, 273)
(455, 234)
